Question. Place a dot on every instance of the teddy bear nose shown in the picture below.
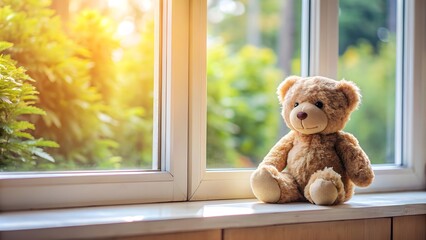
(302, 115)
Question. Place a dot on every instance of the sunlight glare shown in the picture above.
(145, 5)
(235, 8)
(225, 210)
(114, 3)
(126, 28)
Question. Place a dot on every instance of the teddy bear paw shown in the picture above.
(323, 192)
(264, 186)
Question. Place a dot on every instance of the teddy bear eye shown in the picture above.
(296, 104)
(319, 104)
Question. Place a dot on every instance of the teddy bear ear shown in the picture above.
(285, 86)
(352, 93)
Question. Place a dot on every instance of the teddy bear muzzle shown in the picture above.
(307, 118)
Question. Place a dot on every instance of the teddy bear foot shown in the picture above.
(265, 187)
(323, 192)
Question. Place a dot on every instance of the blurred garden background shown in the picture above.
(254, 44)
(92, 63)
(77, 80)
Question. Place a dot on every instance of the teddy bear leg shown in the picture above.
(271, 186)
(264, 186)
(325, 187)
(289, 188)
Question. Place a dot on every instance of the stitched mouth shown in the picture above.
(303, 128)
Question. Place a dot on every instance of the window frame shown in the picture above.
(181, 131)
(411, 52)
(22, 191)
(319, 57)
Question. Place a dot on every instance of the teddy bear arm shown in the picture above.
(356, 162)
(277, 156)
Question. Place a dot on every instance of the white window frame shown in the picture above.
(410, 89)
(319, 57)
(411, 78)
(203, 184)
(21, 191)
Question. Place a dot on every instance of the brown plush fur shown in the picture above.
(327, 153)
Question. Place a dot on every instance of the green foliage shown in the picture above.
(121, 83)
(361, 20)
(367, 42)
(95, 33)
(75, 116)
(94, 106)
(268, 15)
(135, 76)
(374, 122)
(18, 148)
(366, 59)
(242, 107)
(98, 95)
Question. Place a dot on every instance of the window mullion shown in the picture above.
(198, 94)
(175, 102)
(324, 40)
(305, 38)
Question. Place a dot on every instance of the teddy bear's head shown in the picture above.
(317, 104)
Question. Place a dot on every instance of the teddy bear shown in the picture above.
(316, 161)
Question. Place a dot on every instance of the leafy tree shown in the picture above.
(361, 20)
(135, 79)
(96, 34)
(101, 111)
(75, 116)
(126, 84)
(374, 123)
(367, 44)
(268, 23)
(18, 148)
(243, 112)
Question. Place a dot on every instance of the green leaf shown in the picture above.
(41, 143)
(5, 45)
(24, 135)
(29, 110)
(7, 129)
(22, 125)
(46, 143)
(40, 153)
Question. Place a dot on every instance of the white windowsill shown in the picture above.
(116, 221)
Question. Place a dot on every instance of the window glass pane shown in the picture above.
(367, 56)
(92, 64)
(252, 45)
